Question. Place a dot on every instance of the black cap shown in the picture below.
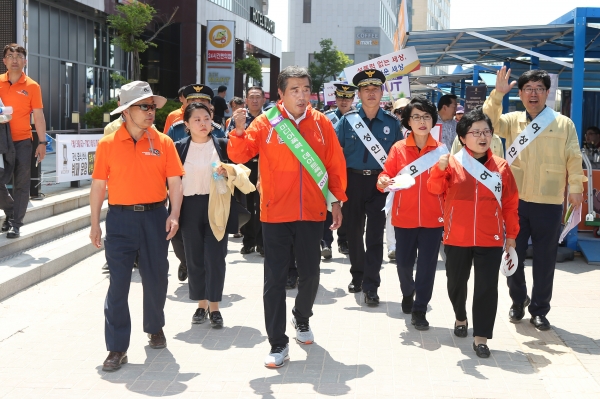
(198, 90)
(369, 77)
(344, 90)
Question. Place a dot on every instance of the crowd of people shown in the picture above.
(283, 176)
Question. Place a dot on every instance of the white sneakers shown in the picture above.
(279, 354)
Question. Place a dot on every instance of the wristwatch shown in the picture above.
(43, 142)
(338, 202)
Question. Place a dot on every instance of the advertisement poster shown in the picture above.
(398, 63)
(221, 75)
(221, 41)
(75, 156)
(475, 97)
(329, 93)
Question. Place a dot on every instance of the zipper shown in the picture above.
(498, 220)
(450, 223)
(300, 189)
(420, 200)
(475, 222)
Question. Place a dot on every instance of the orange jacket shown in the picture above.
(173, 117)
(288, 192)
(472, 216)
(415, 206)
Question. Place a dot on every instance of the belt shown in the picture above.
(140, 207)
(367, 172)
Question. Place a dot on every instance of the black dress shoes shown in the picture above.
(13, 232)
(114, 361)
(517, 310)
(216, 320)
(158, 340)
(182, 272)
(540, 322)
(200, 316)
(419, 321)
(354, 287)
(6, 225)
(461, 331)
(343, 247)
(371, 298)
(246, 250)
(407, 303)
(481, 350)
(261, 250)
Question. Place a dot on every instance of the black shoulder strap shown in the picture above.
(223, 147)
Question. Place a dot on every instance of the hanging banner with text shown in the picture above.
(220, 41)
(75, 155)
(475, 97)
(398, 63)
(221, 75)
(396, 89)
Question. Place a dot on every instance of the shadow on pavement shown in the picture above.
(392, 309)
(158, 376)
(223, 338)
(579, 343)
(324, 296)
(328, 376)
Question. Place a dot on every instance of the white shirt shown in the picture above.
(198, 168)
(296, 121)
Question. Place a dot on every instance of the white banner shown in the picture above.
(396, 89)
(329, 93)
(75, 156)
(551, 100)
(392, 65)
(220, 41)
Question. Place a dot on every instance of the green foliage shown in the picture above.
(94, 116)
(161, 114)
(130, 22)
(329, 63)
(119, 79)
(250, 67)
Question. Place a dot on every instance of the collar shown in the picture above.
(529, 118)
(22, 79)
(410, 141)
(489, 152)
(122, 134)
(379, 115)
(296, 121)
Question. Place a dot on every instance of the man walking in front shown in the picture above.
(135, 162)
(24, 95)
(543, 152)
(301, 170)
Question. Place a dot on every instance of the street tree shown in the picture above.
(249, 66)
(329, 63)
(129, 22)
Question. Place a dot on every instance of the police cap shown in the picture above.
(369, 77)
(344, 90)
(198, 90)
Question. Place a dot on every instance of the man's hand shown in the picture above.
(502, 79)
(96, 235)
(384, 181)
(336, 213)
(172, 226)
(575, 199)
(510, 242)
(443, 163)
(239, 117)
(40, 152)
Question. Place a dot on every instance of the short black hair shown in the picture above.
(476, 115)
(256, 88)
(292, 71)
(180, 91)
(534, 75)
(221, 89)
(446, 100)
(593, 129)
(422, 104)
(236, 100)
(187, 113)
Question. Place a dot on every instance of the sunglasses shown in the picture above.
(145, 107)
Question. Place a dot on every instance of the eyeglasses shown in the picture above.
(538, 90)
(15, 57)
(398, 111)
(145, 107)
(478, 133)
(418, 118)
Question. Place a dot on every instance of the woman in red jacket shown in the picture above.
(416, 213)
(480, 220)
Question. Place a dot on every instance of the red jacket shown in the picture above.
(472, 216)
(288, 192)
(415, 206)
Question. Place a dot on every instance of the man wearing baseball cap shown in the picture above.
(460, 112)
(134, 163)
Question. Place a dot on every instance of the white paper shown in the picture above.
(573, 221)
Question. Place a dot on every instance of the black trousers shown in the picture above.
(427, 242)
(541, 222)
(15, 206)
(252, 230)
(178, 248)
(486, 261)
(281, 241)
(128, 232)
(205, 255)
(328, 233)
(364, 202)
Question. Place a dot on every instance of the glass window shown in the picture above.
(54, 38)
(44, 29)
(306, 11)
(64, 35)
(34, 32)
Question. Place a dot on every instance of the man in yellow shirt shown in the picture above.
(543, 148)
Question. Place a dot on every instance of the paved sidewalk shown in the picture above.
(52, 342)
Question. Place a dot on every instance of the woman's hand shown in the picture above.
(222, 171)
(384, 181)
(510, 242)
(444, 160)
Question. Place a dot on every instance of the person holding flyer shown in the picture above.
(415, 212)
(480, 221)
(302, 172)
(543, 152)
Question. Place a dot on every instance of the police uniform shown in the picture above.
(342, 90)
(364, 200)
(194, 92)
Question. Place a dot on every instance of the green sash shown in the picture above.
(301, 150)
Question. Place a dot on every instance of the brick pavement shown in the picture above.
(52, 342)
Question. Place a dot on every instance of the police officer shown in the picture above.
(344, 96)
(135, 162)
(194, 93)
(366, 135)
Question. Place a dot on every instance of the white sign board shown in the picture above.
(551, 100)
(329, 93)
(75, 156)
(221, 75)
(398, 63)
(396, 89)
(220, 41)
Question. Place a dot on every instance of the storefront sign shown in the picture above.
(221, 41)
(221, 75)
(75, 156)
(259, 19)
(392, 65)
(475, 97)
(366, 36)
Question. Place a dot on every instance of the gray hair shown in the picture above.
(292, 72)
